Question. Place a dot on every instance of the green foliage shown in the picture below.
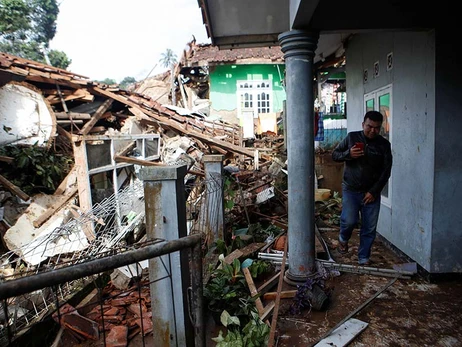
(59, 59)
(27, 27)
(35, 169)
(259, 267)
(15, 18)
(260, 234)
(330, 210)
(229, 193)
(108, 81)
(126, 82)
(168, 58)
(227, 289)
(254, 334)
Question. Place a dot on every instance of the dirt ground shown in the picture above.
(411, 312)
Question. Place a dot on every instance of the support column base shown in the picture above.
(316, 296)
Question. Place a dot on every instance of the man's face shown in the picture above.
(371, 128)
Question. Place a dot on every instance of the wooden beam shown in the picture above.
(96, 117)
(68, 121)
(61, 200)
(52, 81)
(72, 115)
(5, 159)
(62, 187)
(268, 310)
(174, 125)
(13, 189)
(122, 159)
(64, 133)
(286, 294)
(268, 284)
(126, 149)
(219, 150)
(253, 291)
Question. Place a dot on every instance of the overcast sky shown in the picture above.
(117, 39)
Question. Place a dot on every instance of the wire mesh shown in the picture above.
(204, 204)
(109, 221)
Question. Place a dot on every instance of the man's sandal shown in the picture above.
(342, 247)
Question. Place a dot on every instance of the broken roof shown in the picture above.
(206, 54)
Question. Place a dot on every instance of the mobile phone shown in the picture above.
(360, 145)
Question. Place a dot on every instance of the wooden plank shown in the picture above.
(236, 254)
(265, 287)
(253, 291)
(13, 189)
(344, 334)
(278, 298)
(62, 187)
(96, 117)
(81, 165)
(58, 204)
(6, 159)
(64, 133)
(73, 115)
(268, 311)
(286, 294)
(41, 79)
(126, 149)
(219, 150)
(122, 159)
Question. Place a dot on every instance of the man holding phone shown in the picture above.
(368, 160)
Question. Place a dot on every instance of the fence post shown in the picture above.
(166, 219)
(215, 196)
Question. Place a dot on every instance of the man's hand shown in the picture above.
(368, 198)
(356, 152)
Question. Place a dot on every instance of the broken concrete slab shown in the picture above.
(37, 244)
(26, 114)
(344, 334)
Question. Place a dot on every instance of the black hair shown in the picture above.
(374, 116)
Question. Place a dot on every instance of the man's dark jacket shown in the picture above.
(370, 172)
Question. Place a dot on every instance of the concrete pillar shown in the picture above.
(165, 202)
(215, 196)
(299, 49)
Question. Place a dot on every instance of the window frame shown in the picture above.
(254, 90)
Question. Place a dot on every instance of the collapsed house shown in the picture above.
(111, 133)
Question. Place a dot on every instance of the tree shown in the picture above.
(126, 82)
(108, 81)
(27, 27)
(59, 59)
(168, 60)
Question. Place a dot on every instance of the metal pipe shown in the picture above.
(277, 259)
(299, 50)
(47, 279)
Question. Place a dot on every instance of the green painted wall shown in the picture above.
(223, 83)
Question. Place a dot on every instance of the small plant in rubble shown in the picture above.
(330, 209)
(254, 334)
(35, 169)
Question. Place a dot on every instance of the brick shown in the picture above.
(117, 337)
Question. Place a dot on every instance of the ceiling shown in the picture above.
(243, 23)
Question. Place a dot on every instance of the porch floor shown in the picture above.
(411, 312)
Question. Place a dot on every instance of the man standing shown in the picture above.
(368, 159)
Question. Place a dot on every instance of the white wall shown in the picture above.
(408, 223)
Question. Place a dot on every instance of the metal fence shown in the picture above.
(40, 278)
